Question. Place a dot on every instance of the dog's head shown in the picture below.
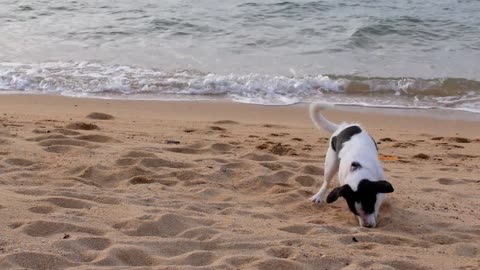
(365, 201)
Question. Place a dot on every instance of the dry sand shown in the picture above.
(178, 185)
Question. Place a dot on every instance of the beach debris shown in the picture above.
(172, 142)
(354, 239)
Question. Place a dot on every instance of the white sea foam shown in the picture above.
(94, 79)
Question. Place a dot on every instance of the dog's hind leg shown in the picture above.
(331, 168)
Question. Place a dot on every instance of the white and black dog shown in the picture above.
(352, 153)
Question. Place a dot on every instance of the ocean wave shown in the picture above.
(423, 32)
(94, 79)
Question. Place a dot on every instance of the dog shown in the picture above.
(353, 153)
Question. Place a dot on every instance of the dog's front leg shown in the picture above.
(331, 168)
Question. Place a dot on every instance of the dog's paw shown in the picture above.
(317, 199)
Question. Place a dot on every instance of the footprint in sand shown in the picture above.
(280, 252)
(67, 132)
(124, 255)
(221, 147)
(158, 162)
(109, 177)
(103, 199)
(139, 154)
(278, 178)
(273, 126)
(142, 180)
(65, 142)
(305, 180)
(277, 263)
(82, 126)
(92, 243)
(68, 203)
(60, 131)
(41, 209)
(185, 175)
(260, 157)
(297, 229)
(448, 169)
(96, 138)
(20, 162)
(239, 260)
(459, 140)
(277, 148)
(449, 146)
(35, 260)
(133, 157)
(279, 134)
(61, 144)
(404, 145)
(383, 239)
(399, 264)
(41, 228)
(235, 166)
(167, 225)
(5, 142)
(312, 170)
(465, 250)
(186, 150)
(428, 190)
(48, 137)
(226, 122)
(195, 258)
(440, 239)
(189, 130)
(217, 128)
(448, 181)
(84, 249)
(199, 234)
(421, 156)
(272, 165)
(100, 116)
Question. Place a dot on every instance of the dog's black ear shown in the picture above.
(383, 186)
(336, 192)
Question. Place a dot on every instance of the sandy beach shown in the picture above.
(117, 184)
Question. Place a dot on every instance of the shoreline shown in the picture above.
(466, 113)
(426, 120)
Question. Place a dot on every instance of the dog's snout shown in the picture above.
(367, 225)
(367, 221)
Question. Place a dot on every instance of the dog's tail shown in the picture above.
(319, 120)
